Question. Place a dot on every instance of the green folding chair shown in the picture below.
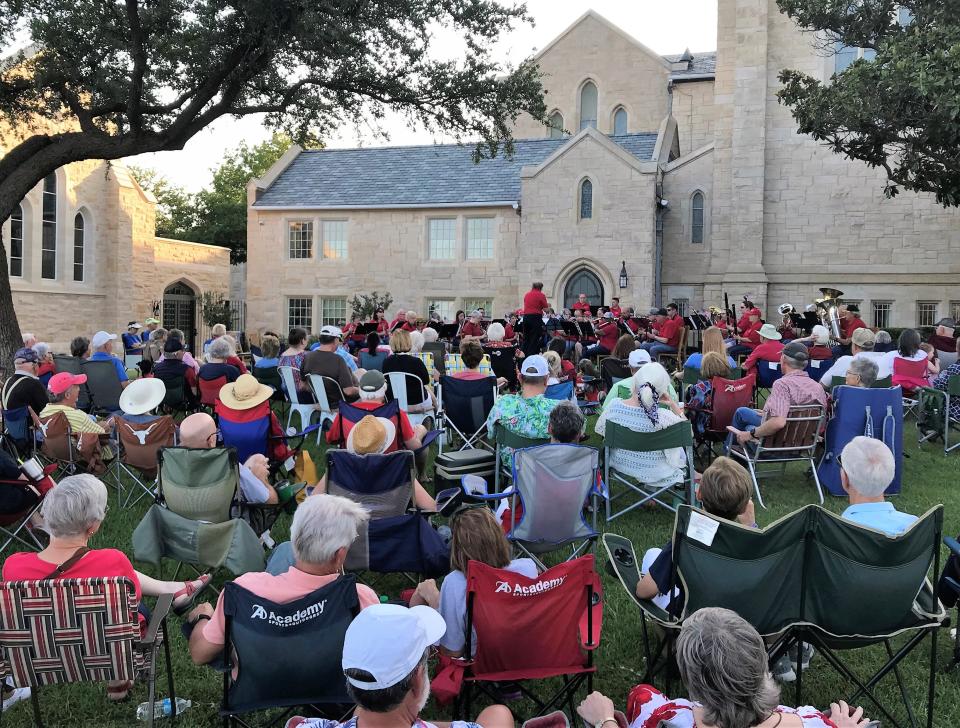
(933, 414)
(617, 437)
(504, 438)
(691, 375)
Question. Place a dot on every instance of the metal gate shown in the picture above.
(180, 312)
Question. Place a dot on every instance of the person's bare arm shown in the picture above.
(202, 651)
(647, 588)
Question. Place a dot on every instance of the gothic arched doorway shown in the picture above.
(180, 312)
(586, 281)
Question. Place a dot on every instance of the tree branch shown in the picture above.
(139, 55)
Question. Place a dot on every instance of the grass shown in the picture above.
(928, 478)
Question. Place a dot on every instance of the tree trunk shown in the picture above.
(10, 339)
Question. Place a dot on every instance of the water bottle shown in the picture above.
(161, 708)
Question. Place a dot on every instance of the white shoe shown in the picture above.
(15, 697)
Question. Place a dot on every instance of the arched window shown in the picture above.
(78, 240)
(586, 200)
(585, 281)
(48, 243)
(16, 242)
(696, 218)
(556, 125)
(620, 121)
(588, 106)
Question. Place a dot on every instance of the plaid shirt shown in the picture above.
(792, 389)
(453, 364)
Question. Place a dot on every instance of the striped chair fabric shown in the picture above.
(453, 364)
(427, 358)
(69, 630)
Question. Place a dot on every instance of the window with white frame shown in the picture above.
(480, 238)
(476, 304)
(927, 313)
(683, 305)
(300, 239)
(845, 56)
(333, 311)
(955, 310)
(696, 218)
(16, 242)
(300, 313)
(442, 234)
(442, 307)
(334, 239)
(881, 314)
(78, 245)
(48, 243)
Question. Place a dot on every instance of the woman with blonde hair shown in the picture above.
(475, 536)
(699, 396)
(712, 341)
(404, 359)
(555, 365)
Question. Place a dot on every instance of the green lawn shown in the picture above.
(929, 478)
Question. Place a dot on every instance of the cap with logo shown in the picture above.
(152, 320)
(60, 383)
(134, 325)
(388, 641)
(797, 351)
(25, 354)
(333, 331)
(100, 338)
(534, 366)
(638, 357)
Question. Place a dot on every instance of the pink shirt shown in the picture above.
(792, 389)
(470, 374)
(280, 589)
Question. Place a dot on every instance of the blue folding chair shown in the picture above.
(767, 373)
(560, 391)
(18, 433)
(464, 405)
(390, 411)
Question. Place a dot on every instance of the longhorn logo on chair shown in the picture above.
(526, 591)
(289, 620)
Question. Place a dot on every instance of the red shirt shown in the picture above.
(632, 325)
(383, 326)
(471, 329)
(721, 324)
(851, 324)
(508, 332)
(407, 326)
(609, 333)
(616, 311)
(534, 302)
(568, 372)
(768, 350)
(334, 434)
(672, 329)
(236, 361)
(752, 333)
(820, 353)
(585, 307)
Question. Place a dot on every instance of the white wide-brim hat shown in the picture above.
(142, 395)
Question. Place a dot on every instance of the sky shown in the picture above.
(665, 27)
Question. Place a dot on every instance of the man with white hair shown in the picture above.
(323, 529)
(29, 340)
(102, 346)
(24, 389)
(867, 467)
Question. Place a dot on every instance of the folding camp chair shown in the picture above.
(532, 629)
(767, 373)
(933, 413)
(304, 410)
(19, 501)
(138, 446)
(727, 395)
(177, 398)
(816, 368)
(681, 354)
(72, 452)
(463, 408)
(80, 630)
(505, 443)
(614, 370)
(210, 390)
(691, 375)
(617, 437)
(353, 414)
(272, 654)
(438, 350)
(103, 386)
(73, 364)
(318, 384)
(884, 383)
(454, 364)
(271, 377)
(562, 391)
(911, 376)
(19, 432)
(193, 519)
(503, 362)
(869, 412)
(394, 540)
(398, 383)
(796, 442)
(427, 359)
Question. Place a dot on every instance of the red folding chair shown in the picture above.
(911, 376)
(210, 390)
(728, 395)
(532, 629)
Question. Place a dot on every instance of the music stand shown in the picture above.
(364, 329)
(570, 328)
(448, 331)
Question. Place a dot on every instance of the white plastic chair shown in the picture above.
(398, 386)
(305, 410)
(318, 385)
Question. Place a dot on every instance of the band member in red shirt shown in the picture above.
(472, 330)
(582, 305)
(615, 308)
(383, 326)
(769, 349)
(750, 338)
(666, 338)
(534, 304)
(608, 333)
(509, 329)
(399, 318)
(850, 321)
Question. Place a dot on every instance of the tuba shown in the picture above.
(829, 309)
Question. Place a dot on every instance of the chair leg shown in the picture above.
(152, 685)
(35, 701)
(932, 687)
(170, 688)
(816, 479)
(756, 483)
(903, 688)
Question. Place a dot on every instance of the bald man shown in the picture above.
(200, 431)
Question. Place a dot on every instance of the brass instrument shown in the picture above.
(829, 309)
(716, 311)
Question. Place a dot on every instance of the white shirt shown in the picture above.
(919, 355)
(840, 366)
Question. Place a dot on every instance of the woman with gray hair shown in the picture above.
(217, 365)
(723, 663)
(72, 513)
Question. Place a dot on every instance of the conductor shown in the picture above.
(534, 304)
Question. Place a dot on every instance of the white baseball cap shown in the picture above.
(331, 331)
(100, 338)
(638, 357)
(388, 641)
(534, 366)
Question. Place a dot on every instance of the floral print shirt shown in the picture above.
(528, 417)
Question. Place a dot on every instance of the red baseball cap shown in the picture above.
(60, 383)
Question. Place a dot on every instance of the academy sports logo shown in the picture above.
(289, 620)
(519, 590)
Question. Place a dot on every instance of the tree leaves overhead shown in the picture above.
(899, 111)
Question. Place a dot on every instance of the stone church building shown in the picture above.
(658, 178)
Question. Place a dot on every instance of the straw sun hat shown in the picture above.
(371, 436)
(245, 393)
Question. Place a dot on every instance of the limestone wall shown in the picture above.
(693, 109)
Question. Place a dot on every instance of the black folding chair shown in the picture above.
(103, 385)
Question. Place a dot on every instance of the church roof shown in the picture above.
(704, 64)
(421, 176)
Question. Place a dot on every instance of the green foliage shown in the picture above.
(899, 111)
(215, 309)
(364, 305)
(176, 208)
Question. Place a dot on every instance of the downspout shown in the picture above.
(658, 239)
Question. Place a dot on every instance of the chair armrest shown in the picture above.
(157, 616)
(952, 544)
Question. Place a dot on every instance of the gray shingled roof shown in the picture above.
(429, 175)
(703, 64)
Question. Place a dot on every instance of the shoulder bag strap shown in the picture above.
(65, 566)
(7, 390)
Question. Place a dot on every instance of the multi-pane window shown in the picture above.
(300, 313)
(442, 307)
(78, 235)
(586, 200)
(48, 243)
(556, 125)
(300, 239)
(696, 218)
(620, 121)
(926, 313)
(334, 238)
(333, 311)
(588, 106)
(955, 310)
(443, 239)
(479, 238)
(881, 314)
(845, 56)
(477, 304)
(683, 304)
(16, 242)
